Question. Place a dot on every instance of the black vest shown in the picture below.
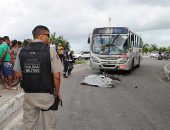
(36, 68)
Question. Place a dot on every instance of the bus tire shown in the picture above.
(132, 65)
(101, 71)
(138, 65)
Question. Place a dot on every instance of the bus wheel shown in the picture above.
(101, 71)
(132, 65)
(138, 65)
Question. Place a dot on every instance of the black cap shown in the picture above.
(5, 38)
(14, 42)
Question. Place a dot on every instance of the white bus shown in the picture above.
(114, 48)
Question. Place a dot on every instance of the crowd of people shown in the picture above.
(8, 52)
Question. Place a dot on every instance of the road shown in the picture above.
(141, 101)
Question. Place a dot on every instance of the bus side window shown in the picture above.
(132, 40)
(125, 45)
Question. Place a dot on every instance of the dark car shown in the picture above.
(166, 55)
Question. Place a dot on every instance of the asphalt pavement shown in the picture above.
(12, 99)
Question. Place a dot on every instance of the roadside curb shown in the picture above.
(11, 106)
(167, 71)
(16, 123)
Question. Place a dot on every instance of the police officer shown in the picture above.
(65, 62)
(39, 68)
(71, 62)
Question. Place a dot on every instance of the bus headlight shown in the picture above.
(95, 60)
(122, 61)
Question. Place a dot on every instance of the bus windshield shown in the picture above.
(110, 44)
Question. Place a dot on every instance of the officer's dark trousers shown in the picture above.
(66, 63)
(70, 67)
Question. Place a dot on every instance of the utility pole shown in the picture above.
(110, 21)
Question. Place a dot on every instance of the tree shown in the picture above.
(59, 40)
(53, 38)
(154, 47)
(145, 48)
(150, 49)
(163, 49)
(168, 48)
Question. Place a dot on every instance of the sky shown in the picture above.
(76, 19)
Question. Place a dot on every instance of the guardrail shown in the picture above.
(167, 71)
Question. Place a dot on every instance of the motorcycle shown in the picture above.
(160, 56)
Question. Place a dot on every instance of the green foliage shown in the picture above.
(145, 48)
(163, 49)
(168, 49)
(153, 47)
(59, 40)
(80, 61)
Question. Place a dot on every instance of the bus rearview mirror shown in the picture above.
(88, 40)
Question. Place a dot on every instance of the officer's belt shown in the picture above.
(39, 91)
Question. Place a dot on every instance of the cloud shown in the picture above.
(75, 19)
(160, 3)
(159, 37)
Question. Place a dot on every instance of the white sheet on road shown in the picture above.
(99, 81)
